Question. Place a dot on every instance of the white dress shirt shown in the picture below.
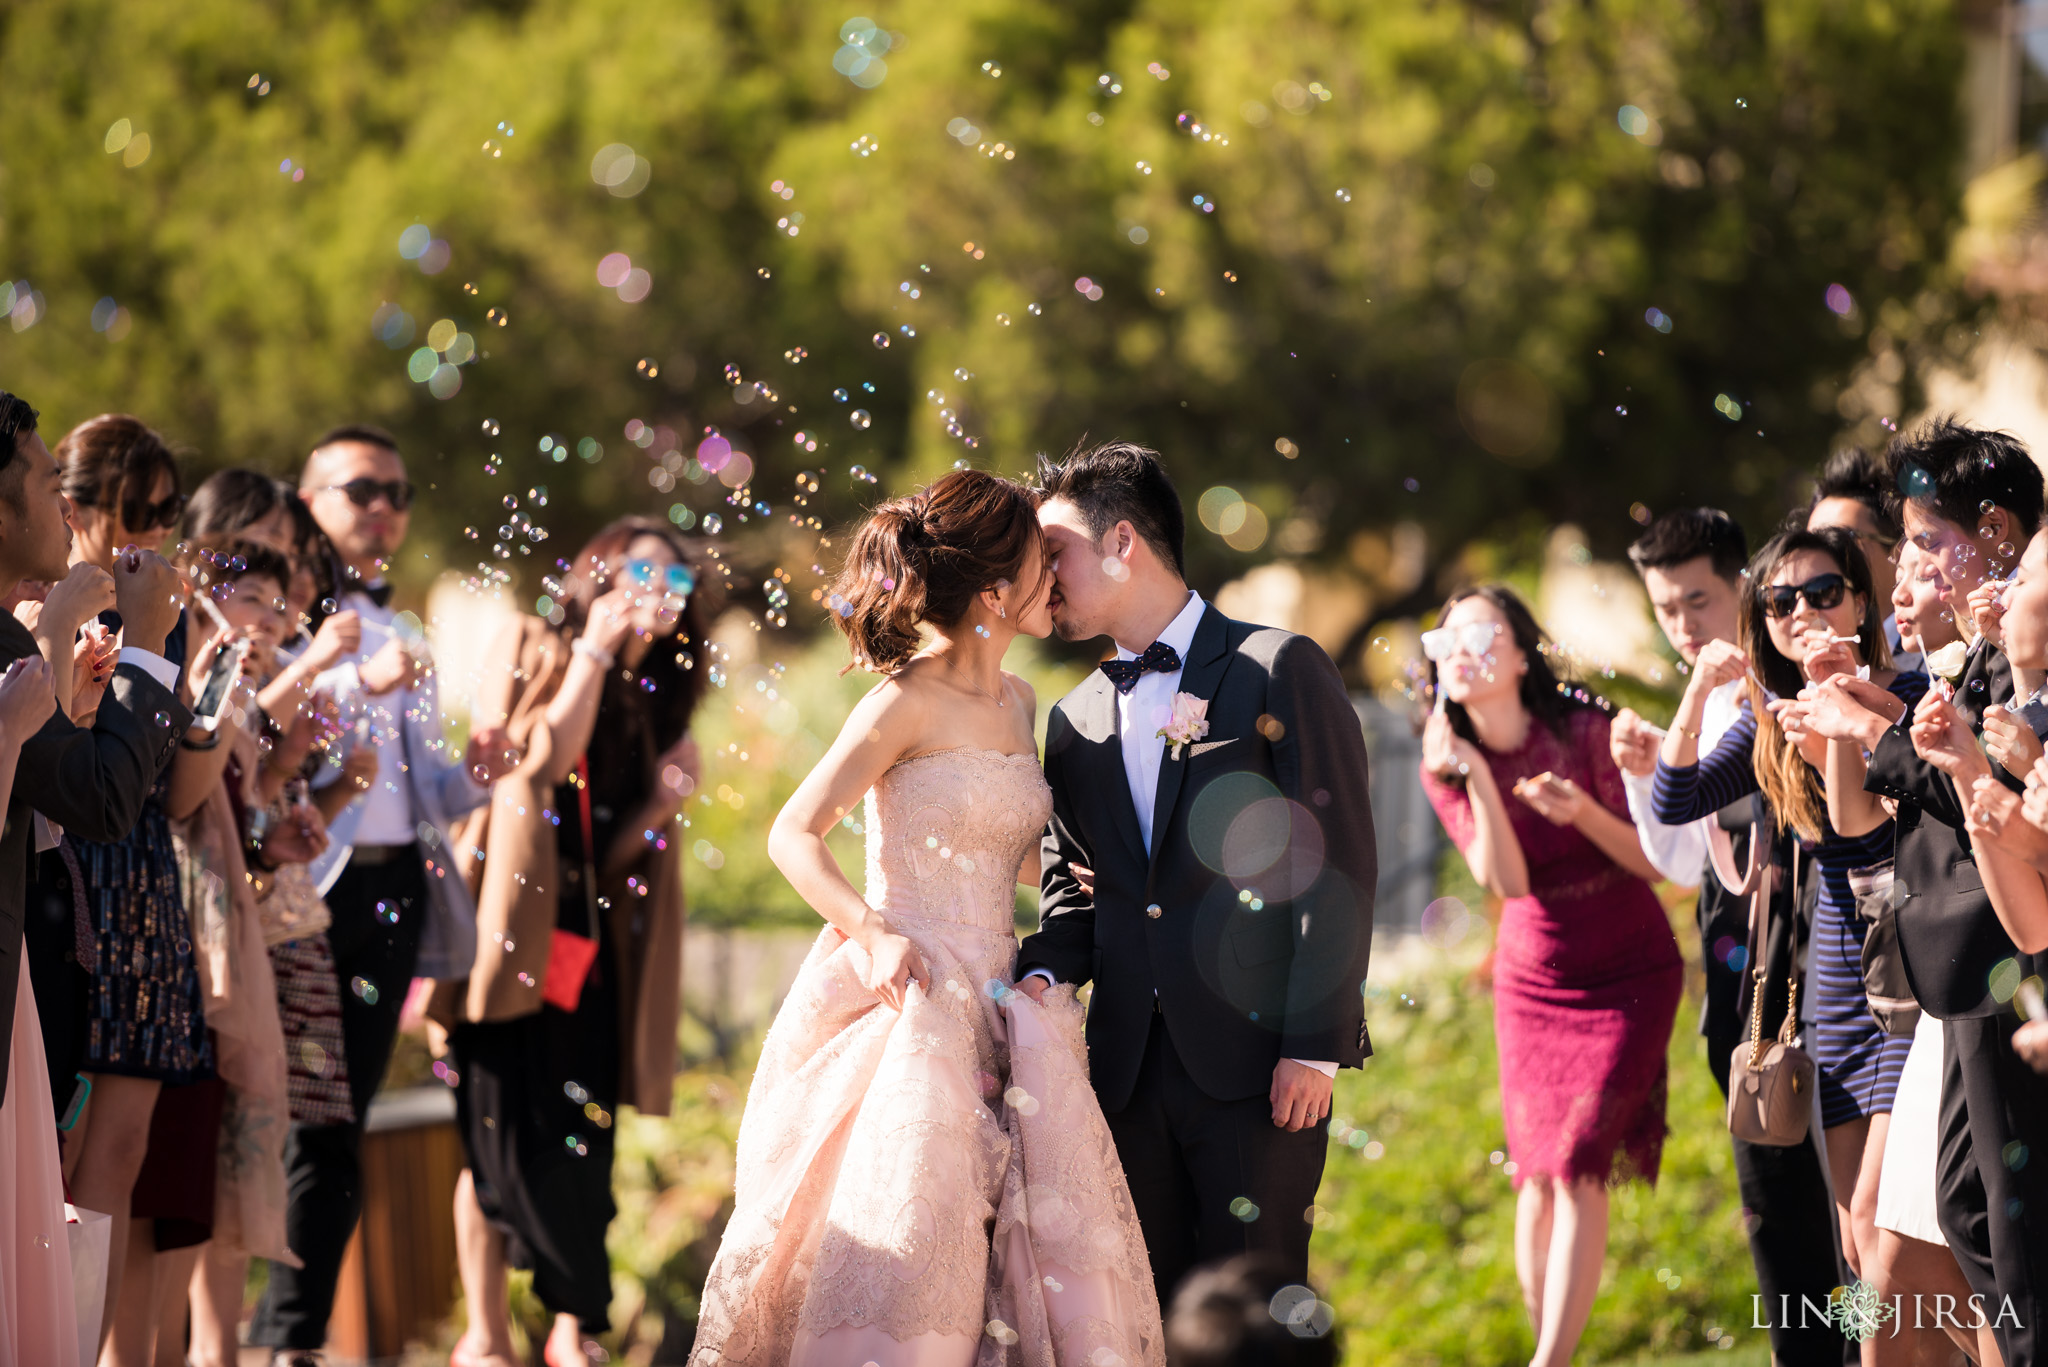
(150, 663)
(1140, 714)
(387, 815)
(1680, 852)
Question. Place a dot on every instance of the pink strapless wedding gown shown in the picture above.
(935, 1187)
(38, 1320)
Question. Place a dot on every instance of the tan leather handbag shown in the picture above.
(1770, 1085)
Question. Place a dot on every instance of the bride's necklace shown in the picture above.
(970, 682)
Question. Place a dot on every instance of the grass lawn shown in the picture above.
(1414, 1243)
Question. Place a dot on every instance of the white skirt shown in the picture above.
(1905, 1189)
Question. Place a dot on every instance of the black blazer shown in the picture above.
(92, 783)
(1949, 937)
(1252, 918)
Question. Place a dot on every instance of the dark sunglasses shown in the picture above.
(148, 516)
(1823, 592)
(363, 491)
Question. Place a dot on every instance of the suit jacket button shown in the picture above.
(1153, 911)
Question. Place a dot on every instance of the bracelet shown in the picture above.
(1688, 733)
(596, 654)
(212, 741)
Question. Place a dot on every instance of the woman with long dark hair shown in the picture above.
(571, 1008)
(146, 1048)
(1586, 971)
(1809, 615)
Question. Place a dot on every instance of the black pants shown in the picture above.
(1992, 1180)
(323, 1168)
(63, 989)
(1189, 1157)
(1793, 1238)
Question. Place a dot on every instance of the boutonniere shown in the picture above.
(1188, 724)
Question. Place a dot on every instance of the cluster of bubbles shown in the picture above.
(123, 139)
(620, 170)
(418, 245)
(1305, 1316)
(111, 319)
(22, 304)
(437, 365)
(1241, 524)
(861, 45)
(616, 272)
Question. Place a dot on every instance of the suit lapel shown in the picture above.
(1200, 673)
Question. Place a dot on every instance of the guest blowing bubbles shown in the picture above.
(1587, 974)
(1810, 616)
(95, 782)
(601, 709)
(148, 1030)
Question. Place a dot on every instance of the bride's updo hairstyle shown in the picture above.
(924, 558)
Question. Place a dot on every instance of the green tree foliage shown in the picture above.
(1427, 240)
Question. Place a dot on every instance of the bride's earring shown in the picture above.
(1002, 612)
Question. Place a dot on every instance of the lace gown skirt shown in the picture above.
(935, 1186)
(1586, 988)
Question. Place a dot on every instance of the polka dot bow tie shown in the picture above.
(1126, 673)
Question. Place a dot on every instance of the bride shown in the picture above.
(924, 1177)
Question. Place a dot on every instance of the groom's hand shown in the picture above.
(1300, 1095)
(1032, 986)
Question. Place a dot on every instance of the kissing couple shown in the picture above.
(934, 1170)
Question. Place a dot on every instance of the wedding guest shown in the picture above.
(155, 1093)
(1809, 615)
(96, 781)
(1912, 1257)
(1912, 1253)
(547, 1044)
(1692, 562)
(1971, 498)
(1587, 974)
(245, 530)
(1229, 1314)
(354, 482)
(1854, 492)
(243, 582)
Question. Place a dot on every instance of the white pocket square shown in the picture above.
(1204, 747)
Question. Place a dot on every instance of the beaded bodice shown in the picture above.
(946, 832)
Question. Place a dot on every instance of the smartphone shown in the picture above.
(220, 686)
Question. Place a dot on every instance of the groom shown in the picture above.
(1233, 875)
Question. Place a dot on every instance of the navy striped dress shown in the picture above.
(1858, 1063)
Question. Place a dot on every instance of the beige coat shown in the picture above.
(508, 855)
(239, 997)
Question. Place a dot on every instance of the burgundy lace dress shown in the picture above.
(1586, 975)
